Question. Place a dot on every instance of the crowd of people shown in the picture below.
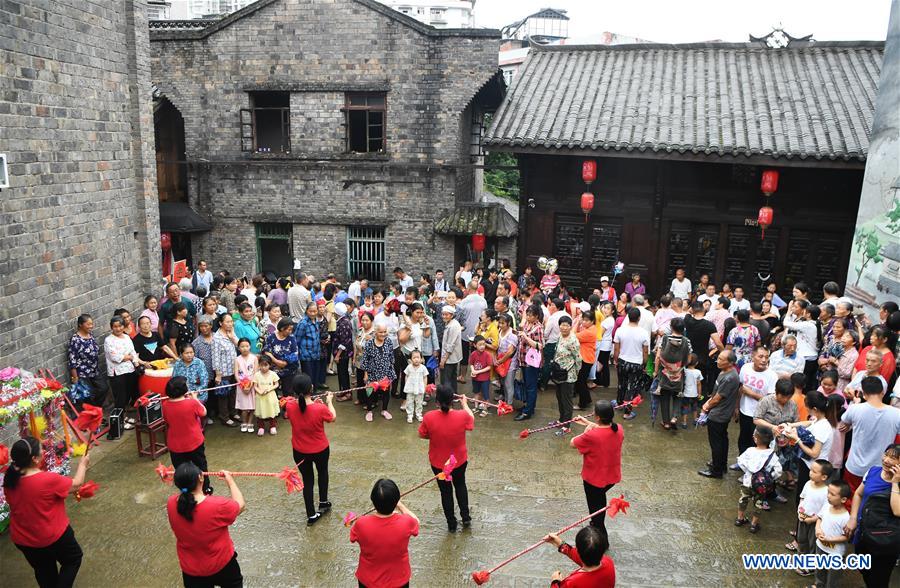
(812, 387)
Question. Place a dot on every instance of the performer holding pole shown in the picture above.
(601, 448)
(200, 523)
(38, 524)
(184, 416)
(446, 431)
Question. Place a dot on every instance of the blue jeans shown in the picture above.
(483, 389)
(531, 384)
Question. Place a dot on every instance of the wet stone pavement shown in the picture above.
(679, 531)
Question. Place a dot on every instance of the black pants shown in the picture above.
(710, 372)
(880, 573)
(745, 437)
(564, 400)
(306, 461)
(360, 381)
(99, 390)
(596, 499)
(602, 378)
(584, 395)
(43, 560)
(718, 445)
(462, 495)
(669, 404)
(448, 375)
(400, 363)
(228, 577)
(196, 457)
(811, 372)
(371, 401)
(802, 479)
(124, 389)
(343, 372)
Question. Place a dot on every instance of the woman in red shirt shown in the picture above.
(446, 431)
(878, 338)
(601, 446)
(383, 539)
(309, 442)
(184, 416)
(200, 523)
(597, 569)
(38, 524)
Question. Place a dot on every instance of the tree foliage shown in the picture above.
(869, 247)
(501, 182)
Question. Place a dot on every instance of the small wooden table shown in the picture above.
(154, 447)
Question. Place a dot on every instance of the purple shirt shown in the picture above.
(631, 290)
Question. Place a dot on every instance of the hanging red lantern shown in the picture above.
(764, 219)
(478, 241)
(587, 204)
(165, 242)
(769, 182)
(589, 171)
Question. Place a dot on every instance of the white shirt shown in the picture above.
(760, 382)
(737, 305)
(753, 459)
(712, 299)
(647, 321)
(692, 377)
(551, 329)
(466, 276)
(416, 378)
(407, 282)
(606, 341)
(807, 337)
(823, 433)
(833, 526)
(116, 348)
(472, 306)
(632, 341)
(354, 291)
(681, 289)
(812, 499)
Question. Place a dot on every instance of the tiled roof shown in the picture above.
(813, 101)
(491, 220)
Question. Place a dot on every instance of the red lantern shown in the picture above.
(165, 242)
(589, 171)
(587, 204)
(478, 242)
(765, 219)
(769, 182)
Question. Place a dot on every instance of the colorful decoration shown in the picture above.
(90, 418)
(478, 242)
(765, 219)
(589, 171)
(86, 490)
(445, 475)
(615, 506)
(769, 182)
(289, 475)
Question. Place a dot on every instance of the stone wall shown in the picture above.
(318, 50)
(79, 221)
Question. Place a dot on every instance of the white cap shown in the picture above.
(604, 279)
(340, 309)
(448, 309)
(584, 306)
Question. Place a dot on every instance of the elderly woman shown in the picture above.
(343, 349)
(247, 327)
(377, 364)
(88, 383)
(224, 350)
(120, 361)
(203, 349)
(281, 348)
(364, 334)
(846, 363)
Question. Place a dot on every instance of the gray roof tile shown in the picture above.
(809, 101)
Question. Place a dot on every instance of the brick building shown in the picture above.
(335, 133)
(80, 218)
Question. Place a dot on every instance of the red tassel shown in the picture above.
(89, 418)
(617, 505)
(524, 434)
(504, 408)
(384, 384)
(87, 490)
(166, 475)
(637, 400)
(448, 468)
(481, 576)
(292, 480)
(430, 389)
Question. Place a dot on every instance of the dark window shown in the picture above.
(365, 122)
(274, 248)
(365, 253)
(266, 125)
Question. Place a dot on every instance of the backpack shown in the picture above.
(762, 484)
(879, 529)
(673, 356)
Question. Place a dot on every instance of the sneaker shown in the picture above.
(734, 467)
(261, 432)
(419, 418)
(387, 416)
(483, 412)
(780, 499)
(409, 420)
(804, 573)
(209, 421)
(629, 416)
(273, 431)
(764, 505)
(563, 431)
(369, 416)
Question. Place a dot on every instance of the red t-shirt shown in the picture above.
(384, 549)
(447, 433)
(308, 428)
(203, 544)
(479, 360)
(602, 451)
(602, 577)
(183, 418)
(37, 509)
(888, 363)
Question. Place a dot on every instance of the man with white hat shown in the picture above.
(607, 292)
(451, 347)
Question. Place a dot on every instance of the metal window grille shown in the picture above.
(271, 232)
(365, 253)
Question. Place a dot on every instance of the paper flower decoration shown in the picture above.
(90, 418)
(166, 475)
(79, 449)
(350, 518)
(481, 577)
(292, 480)
(87, 490)
(4, 457)
(447, 470)
(430, 389)
(637, 400)
(9, 373)
(503, 408)
(524, 434)
(617, 505)
(245, 383)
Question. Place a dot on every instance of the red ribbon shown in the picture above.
(86, 490)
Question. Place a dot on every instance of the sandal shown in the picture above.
(741, 522)
(754, 528)
(792, 533)
(230, 423)
(128, 426)
(792, 546)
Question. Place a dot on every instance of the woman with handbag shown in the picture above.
(507, 356)
(531, 343)
(565, 368)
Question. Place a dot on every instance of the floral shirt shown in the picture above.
(196, 375)
(83, 356)
(203, 349)
(378, 362)
(743, 340)
(116, 349)
(533, 331)
(283, 350)
(343, 337)
(568, 356)
(223, 354)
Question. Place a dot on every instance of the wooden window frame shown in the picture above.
(348, 108)
(248, 126)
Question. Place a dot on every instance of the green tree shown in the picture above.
(893, 217)
(869, 246)
(501, 182)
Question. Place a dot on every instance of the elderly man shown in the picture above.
(647, 322)
(720, 409)
(874, 357)
(166, 309)
(786, 361)
(776, 409)
(451, 347)
(184, 284)
(501, 305)
(299, 298)
(472, 306)
(874, 425)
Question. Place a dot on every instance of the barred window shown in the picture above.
(365, 253)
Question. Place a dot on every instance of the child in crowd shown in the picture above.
(480, 364)
(689, 400)
(265, 382)
(798, 381)
(753, 460)
(193, 371)
(416, 377)
(812, 499)
(245, 366)
(830, 538)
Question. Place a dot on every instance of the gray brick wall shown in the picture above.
(319, 49)
(77, 225)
